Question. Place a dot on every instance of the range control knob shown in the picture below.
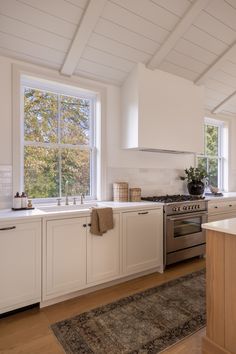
(174, 209)
(185, 207)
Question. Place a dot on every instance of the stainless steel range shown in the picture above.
(183, 235)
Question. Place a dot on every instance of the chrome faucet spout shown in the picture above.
(82, 199)
(66, 192)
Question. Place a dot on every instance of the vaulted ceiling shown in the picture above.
(104, 39)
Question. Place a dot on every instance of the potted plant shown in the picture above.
(197, 179)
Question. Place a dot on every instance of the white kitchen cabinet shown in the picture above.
(158, 108)
(220, 210)
(20, 264)
(65, 256)
(142, 240)
(103, 254)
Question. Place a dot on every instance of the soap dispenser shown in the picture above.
(17, 201)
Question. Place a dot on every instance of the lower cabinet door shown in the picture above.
(103, 254)
(20, 265)
(65, 257)
(142, 240)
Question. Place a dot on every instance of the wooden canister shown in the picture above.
(120, 192)
(135, 194)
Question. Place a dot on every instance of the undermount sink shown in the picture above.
(63, 208)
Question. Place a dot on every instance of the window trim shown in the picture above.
(62, 90)
(79, 84)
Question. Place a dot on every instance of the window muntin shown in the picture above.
(59, 143)
(213, 160)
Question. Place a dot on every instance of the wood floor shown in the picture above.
(28, 332)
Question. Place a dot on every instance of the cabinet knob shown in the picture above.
(84, 225)
(89, 224)
(8, 228)
(216, 207)
(230, 205)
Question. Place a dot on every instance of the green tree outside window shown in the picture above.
(57, 144)
(211, 161)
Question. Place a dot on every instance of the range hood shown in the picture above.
(162, 112)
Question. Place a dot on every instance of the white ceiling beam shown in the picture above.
(219, 107)
(217, 64)
(181, 27)
(85, 28)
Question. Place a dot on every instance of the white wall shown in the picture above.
(5, 112)
(232, 155)
(5, 132)
(153, 172)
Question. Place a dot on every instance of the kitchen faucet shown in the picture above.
(66, 192)
(82, 198)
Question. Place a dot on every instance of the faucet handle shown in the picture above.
(58, 201)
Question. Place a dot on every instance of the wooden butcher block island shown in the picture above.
(221, 288)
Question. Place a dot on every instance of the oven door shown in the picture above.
(185, 231)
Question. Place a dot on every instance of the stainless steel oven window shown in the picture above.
(187, 226)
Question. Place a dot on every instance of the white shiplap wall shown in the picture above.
(127, 32)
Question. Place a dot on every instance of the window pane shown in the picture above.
(211, 140)
(41, 168)
(75, 167)
(40, 116)
(213, 172)
(202, 162)
(74, 120)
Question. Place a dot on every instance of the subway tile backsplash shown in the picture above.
(5, 186)
(152, 181)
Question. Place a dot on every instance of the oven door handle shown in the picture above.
(183, 216)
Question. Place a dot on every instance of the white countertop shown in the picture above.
(8, 214)
(226, 196)
(227, 226)
(128, 205)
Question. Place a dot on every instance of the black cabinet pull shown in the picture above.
(143, 213)
(215, 207)
(85, 225)
(8, 228)
(89, 224)
(230, 205)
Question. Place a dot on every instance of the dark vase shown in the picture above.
(196, 188)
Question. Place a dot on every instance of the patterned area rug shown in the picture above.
(147, 322)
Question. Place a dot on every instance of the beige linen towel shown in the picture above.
(101, 220)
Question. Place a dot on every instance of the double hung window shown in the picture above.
(59, 141)
(213, 160)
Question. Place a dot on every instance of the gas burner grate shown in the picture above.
(172, 198)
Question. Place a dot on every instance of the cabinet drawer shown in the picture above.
(221, 207)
